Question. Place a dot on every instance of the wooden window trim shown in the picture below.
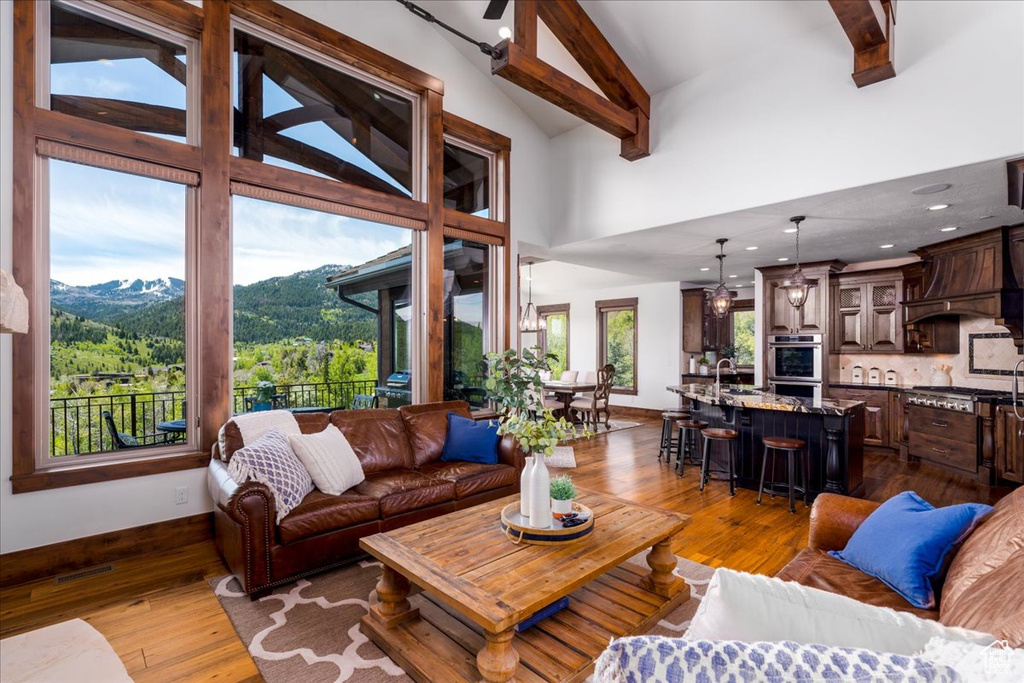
(217, 168)
(555, 309)
(610, 306)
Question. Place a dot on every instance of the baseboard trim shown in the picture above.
(32, 564)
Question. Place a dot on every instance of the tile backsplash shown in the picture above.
(916, 369)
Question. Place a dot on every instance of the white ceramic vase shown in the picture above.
(540, 494)
(524, 487)
(561, 507)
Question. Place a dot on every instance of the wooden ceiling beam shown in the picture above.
(547, 82)
(584, 41)
(525, 34)
(870, 26)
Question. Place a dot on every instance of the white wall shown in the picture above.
(40, 518)
(788, 122)
(658, 324)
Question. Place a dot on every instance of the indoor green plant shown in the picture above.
(703, 362)
(516, 389)
(563, 492)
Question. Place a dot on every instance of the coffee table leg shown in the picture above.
(393, 607)
(662, 561)
(498, 660)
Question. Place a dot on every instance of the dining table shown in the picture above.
(175, 428)
(566, 391)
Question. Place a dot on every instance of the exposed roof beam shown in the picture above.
(547, 82)
(870, 26)
(525, 35)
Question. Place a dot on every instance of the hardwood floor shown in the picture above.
(161, 617)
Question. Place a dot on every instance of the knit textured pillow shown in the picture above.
(270, 461)
(672, 660)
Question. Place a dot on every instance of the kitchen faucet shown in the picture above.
(718, 375)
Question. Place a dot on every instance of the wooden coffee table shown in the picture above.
(477, 585)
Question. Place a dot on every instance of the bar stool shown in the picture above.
(689, 443)
(793, 448)
(728, 438)
(668, 443)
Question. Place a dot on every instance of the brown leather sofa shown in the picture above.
(400, 452)
(982, 589)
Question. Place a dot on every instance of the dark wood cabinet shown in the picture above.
(877, 412)
(1009, 445)
(866, 312)
(702, 329)
(811, 318)
(944, 437)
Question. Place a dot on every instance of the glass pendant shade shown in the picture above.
(530, 322)
(721, 301)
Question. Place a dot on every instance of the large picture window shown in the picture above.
(467, 305)
(298, 113)
(554, 336)
(617, 337)
(119, 330)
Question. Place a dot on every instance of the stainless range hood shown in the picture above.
(980, 275)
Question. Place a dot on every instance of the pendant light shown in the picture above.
(531, 321)
(721, 298)
(797, 284)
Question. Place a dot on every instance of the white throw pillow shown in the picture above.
(998, 663)
(329, 459)
(751, 608)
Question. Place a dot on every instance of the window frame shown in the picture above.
(611, 306)
(209, 155)
(739, 306)
(555, 309)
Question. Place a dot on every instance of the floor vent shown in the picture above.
(84, 574)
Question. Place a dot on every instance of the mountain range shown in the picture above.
(296, 305)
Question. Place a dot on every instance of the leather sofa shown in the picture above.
(982, 587)
(400, 453)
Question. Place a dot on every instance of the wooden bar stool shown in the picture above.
(727, 437)
(689, 443)
(793, 448)
(668, 442)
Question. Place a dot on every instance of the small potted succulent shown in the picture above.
(263, 396)
(704, 363)
(563, 492)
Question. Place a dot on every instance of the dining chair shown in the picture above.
(569, 376)
(590, 407)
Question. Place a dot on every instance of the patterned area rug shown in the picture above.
(309, 630)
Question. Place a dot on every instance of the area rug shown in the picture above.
(563, 458)
(309, 630)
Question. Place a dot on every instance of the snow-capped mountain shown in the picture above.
(106, 299)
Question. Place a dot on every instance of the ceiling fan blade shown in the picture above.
(495, 9)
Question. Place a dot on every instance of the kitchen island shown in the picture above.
(832, 428)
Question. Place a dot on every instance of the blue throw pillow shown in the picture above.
(470, 441)
(905, 541)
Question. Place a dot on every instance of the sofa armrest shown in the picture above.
(510, 454)
(834, 518)
(248, 503)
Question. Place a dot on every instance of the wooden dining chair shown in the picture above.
(590, 407)
(568, 376)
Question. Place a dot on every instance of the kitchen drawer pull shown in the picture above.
(941, 424)
(939, 450)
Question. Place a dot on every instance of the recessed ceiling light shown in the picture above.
(704, 270)
(783, 258)
(984, 217)
(751, 248)
(738, 286)
(886, 246)
(753, 282)
(951, 228)
(931, 189)
(789, 230)
(734, 276)
(938, 207)
(505, 32)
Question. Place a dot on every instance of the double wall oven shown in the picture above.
(795, 365)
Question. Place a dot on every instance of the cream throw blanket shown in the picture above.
(254, 425)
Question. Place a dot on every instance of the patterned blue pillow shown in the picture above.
(271, 461)
(671, 660)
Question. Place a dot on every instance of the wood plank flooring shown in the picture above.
(163, 620)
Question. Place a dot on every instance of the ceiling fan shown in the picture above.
(495, 9)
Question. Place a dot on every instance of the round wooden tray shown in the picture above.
(518, 530)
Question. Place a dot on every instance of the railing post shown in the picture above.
(135, 431)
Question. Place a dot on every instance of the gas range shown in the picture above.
(960, 399)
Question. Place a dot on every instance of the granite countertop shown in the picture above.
(744, 396)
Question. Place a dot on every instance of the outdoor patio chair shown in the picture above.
(123, 440)
(364, 402)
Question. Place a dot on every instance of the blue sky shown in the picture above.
(109, 226)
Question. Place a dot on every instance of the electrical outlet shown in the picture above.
(181, 495)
